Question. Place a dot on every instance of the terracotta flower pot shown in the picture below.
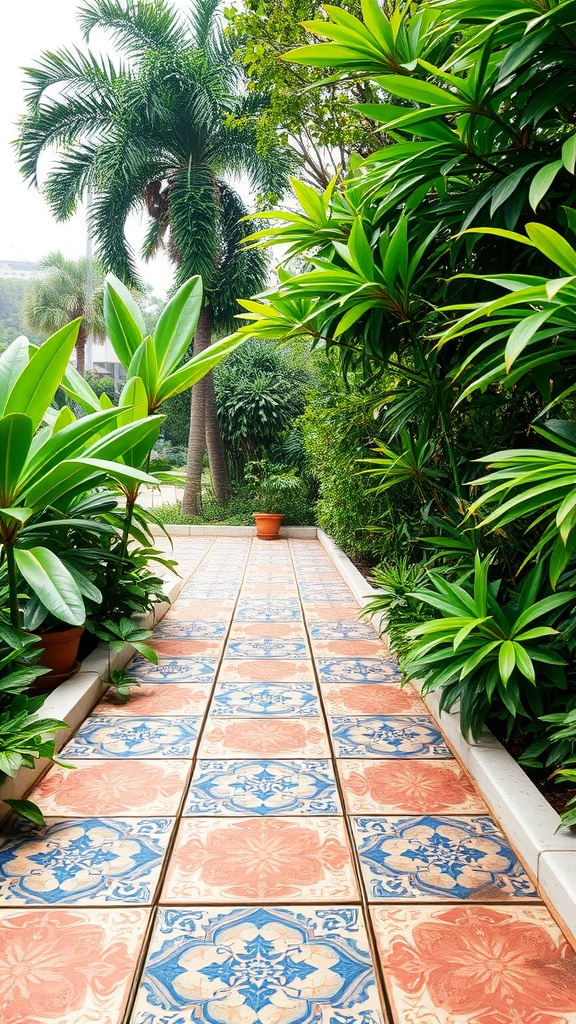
(267, 524)
(60, 651)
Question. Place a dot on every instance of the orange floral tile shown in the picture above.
(112, 787)
(371, 699)
(350, 648)
(209, 609)
(158, 700)
(68, 965)
(408, 787)
(331, 611)
(267, 630)
(260, 737)
(186, 648)
(260, 859)
(475, 965)
(266, 670)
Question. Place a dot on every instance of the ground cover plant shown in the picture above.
(439, 271)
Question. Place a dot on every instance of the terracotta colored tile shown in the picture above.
(476, 965)
(68, 965)
(268, 609)
(186, 648)
(371, 699)
(384, 737)
(267, 631)
(259, 965)
(131, 737)
(349, 648)
(270, 647)
(154, 700)
(189, 611)
(357, 670)
(260, 737)
(272, 591)
(83, 861)
(260, 860)
(331, 611)
(408, 787)
(434, 859)
(278, 700)
(265, 670)
(174, 670)
(263, 788)
(112, 788)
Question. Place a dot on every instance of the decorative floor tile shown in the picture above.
(269, 590)
(186, 648)
(83, 861)
(357, 670)
(264, 860)
(476, 965)
(134, 738)
(267, 631)
(274, 700)
(303, 965)
(154, 700)
(189, 611)
(341, 629)
(258, 737)
(333, 611)
(112, 787)
(268, 648)
(378, 736)
(262, 670)
(262, 788)
(264, 610)
(320, 593)
(373, 648)
(371, 699)
(174, 670)
(68, 965)
(201, 629)
(408, 787)
(435, 859)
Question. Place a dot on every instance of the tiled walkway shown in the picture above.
(270, 832)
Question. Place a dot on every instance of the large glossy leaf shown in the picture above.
(134, 402)
(53, 583)
(124, 321)
(80, 390)
(15, 439)
(144, 364)
(69, 442)
(12, 362)
(36, 385)
(196, 368)
(177, 324)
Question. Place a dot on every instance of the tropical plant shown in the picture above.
(59, 296)
(166, 130)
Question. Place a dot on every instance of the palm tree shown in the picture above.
(167, 131)
(60, 296)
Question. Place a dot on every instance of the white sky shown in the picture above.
(28, 229)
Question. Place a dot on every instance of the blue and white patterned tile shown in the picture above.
(103, 736)
(250, 700)
(201, 592)
(268, 648)
(346, 629)
(173, 670)
(267, 610)
(329, 593)
(436, 858)
(379, 736)
(263, 965)
(199, 629)
(84, 861)
(357, 670)
(263, 788)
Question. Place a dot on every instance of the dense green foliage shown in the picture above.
(442, 269)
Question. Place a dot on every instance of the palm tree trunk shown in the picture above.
(81, 349)
(192, 497)
(216, 456)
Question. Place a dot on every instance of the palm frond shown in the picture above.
(74, 72)
(135, 25)
(193, 200)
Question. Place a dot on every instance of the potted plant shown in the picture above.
(275, 489)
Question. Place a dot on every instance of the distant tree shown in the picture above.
(12, 325)
(168, 131)
(60, 296)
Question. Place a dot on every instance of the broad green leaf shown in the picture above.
(553, 246)
(177, 324)
(361, 251)
(27, 809)
(199, 366)
(124, 321)
(12, 362)
(310, 200)
(133, 400)
(524, 662)
(52, 582)
(569, 154)
(36, 385)
(16, 433)
(506, 661)
(79, 389)
(523, 334)
(144, 364)
(542, 182)
(419, 91)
